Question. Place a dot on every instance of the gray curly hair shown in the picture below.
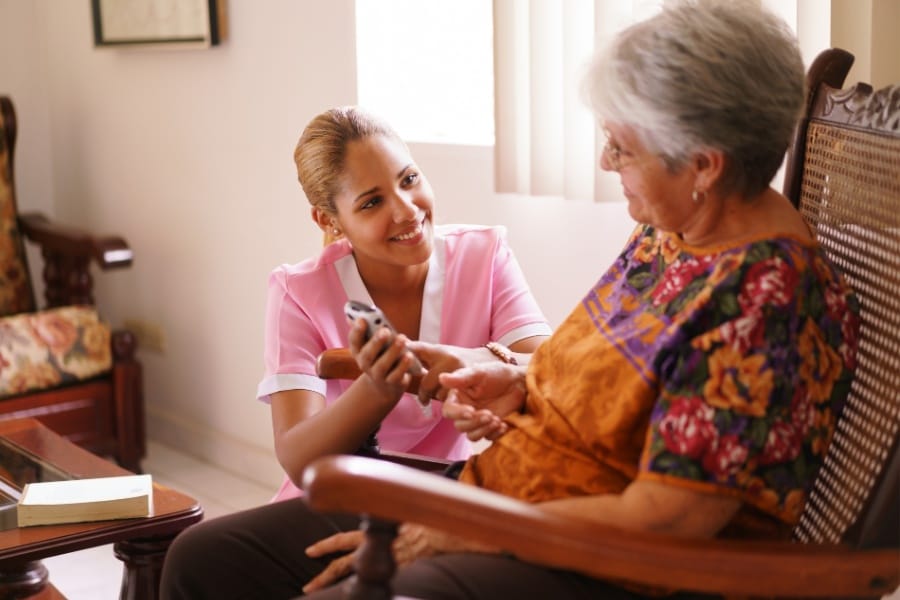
(720, 74)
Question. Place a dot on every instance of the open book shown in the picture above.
(78, 500)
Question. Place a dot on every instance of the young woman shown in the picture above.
(458, 286)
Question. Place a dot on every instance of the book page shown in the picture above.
(75, 491)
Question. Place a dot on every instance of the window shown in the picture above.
(546, 142)
(426, 66)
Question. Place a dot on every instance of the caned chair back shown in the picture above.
(844, 176)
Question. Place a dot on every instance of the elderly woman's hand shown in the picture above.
(442, 358)
(412, 542)
(347, 542)
(481, 395)
(417, 541)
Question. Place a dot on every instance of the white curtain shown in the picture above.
(546, 141)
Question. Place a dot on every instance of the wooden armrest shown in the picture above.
(110, 252)
(350, 484)
(416, 461)
(338, 363)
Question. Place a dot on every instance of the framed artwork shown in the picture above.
(179, 23)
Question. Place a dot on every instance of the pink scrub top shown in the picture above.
(475, 292)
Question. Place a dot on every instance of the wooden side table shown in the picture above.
(141, 544)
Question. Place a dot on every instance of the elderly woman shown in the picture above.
(694, 389)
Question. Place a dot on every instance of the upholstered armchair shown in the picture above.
(61, 363)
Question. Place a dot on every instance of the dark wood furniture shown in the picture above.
(844, 175)
(141, 544)
(105, 414)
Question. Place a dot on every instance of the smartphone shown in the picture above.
(374, 319)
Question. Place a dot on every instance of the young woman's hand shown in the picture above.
(437, 359)
(444, 358)
(386, 362)
(481, 395)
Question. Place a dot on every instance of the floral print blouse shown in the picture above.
(722, 369)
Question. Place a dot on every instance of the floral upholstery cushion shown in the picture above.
(15, 288)
(52, 347)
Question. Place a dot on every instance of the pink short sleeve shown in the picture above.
(483, 272)
(304, 316)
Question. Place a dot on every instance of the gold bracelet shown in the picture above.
(502, 352)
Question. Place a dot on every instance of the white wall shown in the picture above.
(885, 43)
(188, 155)
(23, 72)
(869, 28)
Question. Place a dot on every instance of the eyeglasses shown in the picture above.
(614, 155)
(617, 158)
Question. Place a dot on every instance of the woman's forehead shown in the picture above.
(375, 150)
(373, 162)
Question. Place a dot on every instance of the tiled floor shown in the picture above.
(96, 574)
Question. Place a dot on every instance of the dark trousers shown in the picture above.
(256, 553)
(489, 577)
(259, 554)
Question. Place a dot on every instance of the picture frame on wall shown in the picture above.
(160, 23)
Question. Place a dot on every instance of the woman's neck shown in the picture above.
(397, 291)
(392, 280)
(736, 217)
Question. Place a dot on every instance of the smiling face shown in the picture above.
(656, 195)
(385, 204)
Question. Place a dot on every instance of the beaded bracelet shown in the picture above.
(502, 352)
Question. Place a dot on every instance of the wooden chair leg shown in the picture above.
(375, 564)
(143, 560)
(21, 580)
